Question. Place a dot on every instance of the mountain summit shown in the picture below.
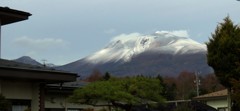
(164, 53)
(123, 48)
(31, 61)
(27, 60)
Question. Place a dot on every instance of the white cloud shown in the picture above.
(126, 37)
(110, 31)
(39, 44)
(133, 36)
(180, 33)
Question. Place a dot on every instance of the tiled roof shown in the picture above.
(9, 10)
(75, 84)
(15, 70)
(16, 65)
(8, 15)
(221, 93)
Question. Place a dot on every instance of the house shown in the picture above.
(217, 99)
(25, 86)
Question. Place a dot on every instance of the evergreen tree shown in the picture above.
(123, 92)
(169, 90)
(106, 76)
(223, 52)
(224, 55)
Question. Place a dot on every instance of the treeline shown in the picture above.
(184, 87)
(175, 88)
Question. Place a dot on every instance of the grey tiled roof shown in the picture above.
(75, 84)
(16, 65)
(221, 93)
(9, 10)
(9, 16)
(11, 69)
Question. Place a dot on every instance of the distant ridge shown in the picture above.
(27, 60)
(31, 61)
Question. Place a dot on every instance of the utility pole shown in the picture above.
(197, 82)
(0, 39)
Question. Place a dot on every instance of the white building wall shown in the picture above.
(16, 89)
(35, 97)
(218, 103)
(22, 90)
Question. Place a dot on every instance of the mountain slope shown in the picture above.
(27, 60)
(31, 61)
(163, 52)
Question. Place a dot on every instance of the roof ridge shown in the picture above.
(219, 93)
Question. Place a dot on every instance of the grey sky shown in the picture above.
(62, 31)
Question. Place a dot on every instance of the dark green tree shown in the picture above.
(4, 103)
(236, 94)
(224, 52)
(123, 93)
(184, 107)
(169, 90)
(106, 76)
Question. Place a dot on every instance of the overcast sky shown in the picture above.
(63, 31)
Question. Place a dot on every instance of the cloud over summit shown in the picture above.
(133, 36)
(179, 33)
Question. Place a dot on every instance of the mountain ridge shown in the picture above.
(27, 60)
(31, 61)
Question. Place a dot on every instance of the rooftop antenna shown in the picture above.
(44, 62)
(197, 82)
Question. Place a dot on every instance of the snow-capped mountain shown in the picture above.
(123, 49)
(162, 53)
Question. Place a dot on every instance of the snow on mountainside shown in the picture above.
(164, 52)
(124, 47)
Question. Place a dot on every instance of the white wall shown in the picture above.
(25, 90)
(35, 97)
(16, 89)
(218, 103)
